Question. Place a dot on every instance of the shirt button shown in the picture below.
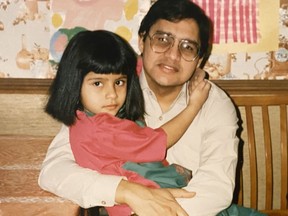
(103, 203)
(160, 118)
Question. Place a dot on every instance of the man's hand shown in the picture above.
(146, 201)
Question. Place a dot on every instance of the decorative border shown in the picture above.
(232, 87)
(24, 86)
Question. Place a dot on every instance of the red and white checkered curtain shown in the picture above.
(234, 20)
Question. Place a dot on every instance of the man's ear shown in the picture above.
(203, 61)
(199, 64)
(141, 43)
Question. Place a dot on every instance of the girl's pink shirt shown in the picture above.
(104, 143)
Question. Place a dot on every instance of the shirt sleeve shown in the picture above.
(62, 176)
(108, 137)
(214, 180)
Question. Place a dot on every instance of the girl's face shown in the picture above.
(103, 92)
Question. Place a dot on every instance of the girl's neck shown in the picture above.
(88, 113)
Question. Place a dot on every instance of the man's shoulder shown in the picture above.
(219, 99)
(219, 108)
(217, 91)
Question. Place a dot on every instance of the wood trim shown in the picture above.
(284, 164)
(252, 156)
(24, 86)
(232, 87)
(253, 87)
(275, 212)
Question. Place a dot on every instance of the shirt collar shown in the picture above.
(143, 81)
(181, 98)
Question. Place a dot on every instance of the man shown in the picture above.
(174, 39)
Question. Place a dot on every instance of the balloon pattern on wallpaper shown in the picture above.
(34, 33)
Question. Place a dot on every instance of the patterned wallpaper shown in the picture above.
(250, 43)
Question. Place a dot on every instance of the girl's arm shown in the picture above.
(176, 127)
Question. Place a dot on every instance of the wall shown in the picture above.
(35, 28)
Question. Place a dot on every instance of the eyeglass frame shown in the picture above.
(151, 38)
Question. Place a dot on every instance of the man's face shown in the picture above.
(169, 68)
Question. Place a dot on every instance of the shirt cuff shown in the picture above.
(104, 194)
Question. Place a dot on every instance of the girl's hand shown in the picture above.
(198, 89)
(199, 75)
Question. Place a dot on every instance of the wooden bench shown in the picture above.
(20, 161)
(262, 167)
(26, 132)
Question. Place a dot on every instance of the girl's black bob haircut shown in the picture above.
(175, 11)
(100, 52)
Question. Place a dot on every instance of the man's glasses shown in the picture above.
(162, 42)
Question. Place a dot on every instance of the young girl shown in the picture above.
(97, 93)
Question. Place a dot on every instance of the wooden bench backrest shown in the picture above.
(264, 108)
(271, 177)
(264, 101)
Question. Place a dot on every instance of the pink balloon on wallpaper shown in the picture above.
(58, 44)
(59, 41)
(84, 2)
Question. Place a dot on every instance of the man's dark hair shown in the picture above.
(175, 11)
